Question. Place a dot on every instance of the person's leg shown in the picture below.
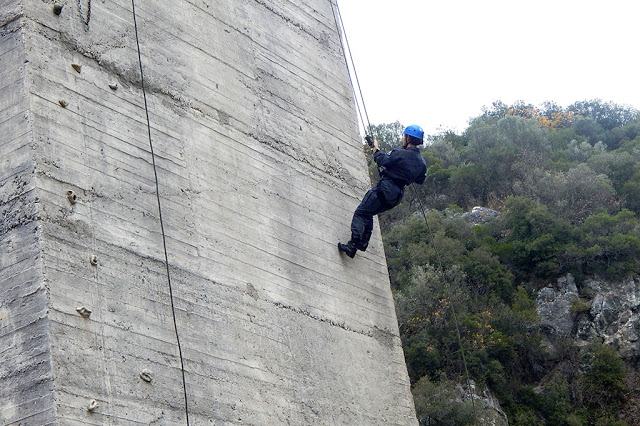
(362, 222)
(383, 197)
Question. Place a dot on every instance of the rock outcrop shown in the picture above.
(480, 215)
(488, 407)
(614, 316)
(603, 311)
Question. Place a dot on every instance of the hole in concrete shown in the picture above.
(72, 197)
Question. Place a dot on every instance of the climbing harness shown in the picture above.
(351, 66)
(164, 237)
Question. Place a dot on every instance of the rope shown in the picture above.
(337, 16)
(164, 238)
(453, 311)
(88, 18)
(340, 26)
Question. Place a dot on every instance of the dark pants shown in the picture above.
(382, 197)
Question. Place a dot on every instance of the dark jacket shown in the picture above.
(401, 167)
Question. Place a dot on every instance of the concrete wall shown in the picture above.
(26, 388)
(259, 169)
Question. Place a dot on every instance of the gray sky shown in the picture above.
(436, 63)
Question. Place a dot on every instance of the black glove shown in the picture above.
(369, 140)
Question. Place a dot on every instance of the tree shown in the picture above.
(583, 151)
(606, 114)
(389, 135)
(495, 155)
(558, 181)
(577, 194)
(603, 387)
(631, 192)
(535, 238)
(438, 403)
(619, 166)
(590, 129)
(611, 244)
(447, 150)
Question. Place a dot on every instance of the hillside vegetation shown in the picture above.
(567, 184)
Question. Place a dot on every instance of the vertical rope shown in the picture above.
(87, 19)
(341, 31)
(353, 64)
(340, 26)
(453, 311)
(164, 237)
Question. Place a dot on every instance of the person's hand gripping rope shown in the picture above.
(373, 143)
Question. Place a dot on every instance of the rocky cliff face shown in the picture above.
(596, 311)
(607, 312)
(490, 412)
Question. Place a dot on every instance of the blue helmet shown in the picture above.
(415, 131)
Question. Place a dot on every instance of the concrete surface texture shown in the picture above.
(250, 163)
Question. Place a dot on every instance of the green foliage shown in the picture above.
(576, 194)
(590, 129)
(446, 149)
(608, 115)
(438, 403)
(524, 308)
(389, 135)
(583, 151)
(535, 238)
(602, 387)
(567, 182)
(487, 275)
(612, 244)
(438, 182)
(619, 166)
(630, 190)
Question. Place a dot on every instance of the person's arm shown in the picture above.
(423, 175)
(381, 158)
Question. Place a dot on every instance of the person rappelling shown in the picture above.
(399, 168)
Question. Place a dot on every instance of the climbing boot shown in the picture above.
(349, 249)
